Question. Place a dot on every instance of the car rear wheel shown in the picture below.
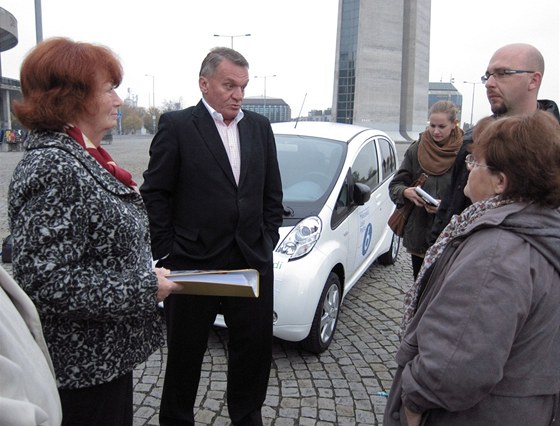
(326, 317)
(390, 257)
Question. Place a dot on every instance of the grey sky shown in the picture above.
(293, 39)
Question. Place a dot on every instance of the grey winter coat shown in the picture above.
(82, 254)
(419, 225)
(484, 345)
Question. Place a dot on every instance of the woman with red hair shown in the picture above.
(81, 244)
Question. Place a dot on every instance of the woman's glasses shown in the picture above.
(472, 163)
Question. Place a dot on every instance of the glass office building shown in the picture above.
(441, 91)
(381, 68)
(346, 60)
(275, 109)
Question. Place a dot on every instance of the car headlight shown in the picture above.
(302, 238)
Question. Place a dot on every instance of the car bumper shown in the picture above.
(297, 289)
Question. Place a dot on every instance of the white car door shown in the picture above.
(388, 167)
(364, 233)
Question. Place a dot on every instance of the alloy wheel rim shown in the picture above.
(330, 313)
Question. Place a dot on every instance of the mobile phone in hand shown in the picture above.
(426, 197)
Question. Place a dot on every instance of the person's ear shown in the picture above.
(535, 82)
(500, 182)
(203, 84)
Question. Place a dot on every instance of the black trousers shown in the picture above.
(416, 265)
(189, 320)
(108, 404)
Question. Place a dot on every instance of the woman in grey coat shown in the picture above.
(481, 343)
(81, 246)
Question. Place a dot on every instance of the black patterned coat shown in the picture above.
(82, 253)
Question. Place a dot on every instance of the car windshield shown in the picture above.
(309, 166)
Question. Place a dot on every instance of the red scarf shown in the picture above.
(103, 158)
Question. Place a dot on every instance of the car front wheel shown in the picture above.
(326, 317)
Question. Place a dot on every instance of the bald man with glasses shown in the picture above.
(512, 80)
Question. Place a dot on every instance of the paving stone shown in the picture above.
(336, 387)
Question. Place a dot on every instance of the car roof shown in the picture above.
(327, 130)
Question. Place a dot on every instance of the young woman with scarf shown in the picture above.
(433, 154)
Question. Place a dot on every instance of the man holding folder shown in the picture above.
(214, 199)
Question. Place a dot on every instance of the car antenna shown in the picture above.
(299, 115)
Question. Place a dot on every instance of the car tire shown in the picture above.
(326, 317)
(390, 257)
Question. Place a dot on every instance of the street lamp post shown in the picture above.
(153, 102)
(264, 92)
(38, 21)
(474, 83)
(232, 36)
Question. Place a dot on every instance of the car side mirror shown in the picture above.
(361, 193)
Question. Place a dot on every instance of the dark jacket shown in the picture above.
(419, 224)
(455, 201)
(82, 254)
(483, 347)
(197, 211)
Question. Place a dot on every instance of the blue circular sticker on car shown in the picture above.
(367, 239)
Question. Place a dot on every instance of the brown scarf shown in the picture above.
(436, 158)
(103, 158)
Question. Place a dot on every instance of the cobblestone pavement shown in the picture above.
(338, 387)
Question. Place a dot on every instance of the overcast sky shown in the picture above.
(292, 39)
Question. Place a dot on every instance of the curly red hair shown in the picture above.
(59, 81)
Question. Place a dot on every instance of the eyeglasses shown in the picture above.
(501, 73)
(472, 163)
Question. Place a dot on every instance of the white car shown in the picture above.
(335, 180)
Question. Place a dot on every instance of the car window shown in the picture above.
(364, 168)
(309, 166)
(388, 158)
(342, 207)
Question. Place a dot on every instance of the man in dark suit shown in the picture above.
(214, 199)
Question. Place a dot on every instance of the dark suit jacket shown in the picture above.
(196, 210)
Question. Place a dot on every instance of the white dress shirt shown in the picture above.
(230, 138)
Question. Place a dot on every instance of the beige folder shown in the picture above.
(238, 282)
